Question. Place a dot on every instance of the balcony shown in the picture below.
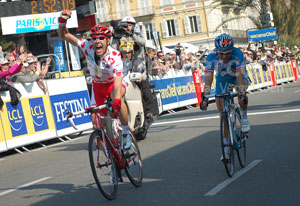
(141, 13)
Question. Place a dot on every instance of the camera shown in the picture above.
(119, 30)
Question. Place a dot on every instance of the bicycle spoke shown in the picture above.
(103, 166)
(134, 168)
(241, 139)
(227, 148)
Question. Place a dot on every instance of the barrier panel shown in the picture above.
(72, 94)
(176, 89)
(31, 120)
(283, 73)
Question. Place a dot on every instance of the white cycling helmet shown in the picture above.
(128, 19)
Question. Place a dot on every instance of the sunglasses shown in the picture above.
(224, 53)
(101, 38)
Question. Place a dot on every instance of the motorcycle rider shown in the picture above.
(139, 65)
(105, 66)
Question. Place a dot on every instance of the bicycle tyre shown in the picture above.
(104, 171)
(241, 139)
(227, 161)
(134, 165)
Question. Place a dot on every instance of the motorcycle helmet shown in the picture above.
(126, 47)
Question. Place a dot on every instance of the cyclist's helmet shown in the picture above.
(100, 30)
(224, 42)
(126, 47)
(128, 19)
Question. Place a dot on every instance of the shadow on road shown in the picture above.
(182, 174)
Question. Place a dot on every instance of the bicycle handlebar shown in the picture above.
(71, 115)
(223, 95)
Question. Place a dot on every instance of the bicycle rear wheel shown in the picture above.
(241, 139)
(103, 166)
(227, 149)
(134, 166)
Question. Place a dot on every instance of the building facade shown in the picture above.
(173, 21)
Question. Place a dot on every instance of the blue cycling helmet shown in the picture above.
(224, 41)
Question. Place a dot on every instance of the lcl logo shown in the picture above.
(16, 119)
(36, 111)
(14, 115)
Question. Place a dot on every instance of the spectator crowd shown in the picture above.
(264, 54)
(19, 65)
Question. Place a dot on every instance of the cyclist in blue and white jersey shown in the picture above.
(227, 62)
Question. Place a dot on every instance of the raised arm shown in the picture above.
(63, 30)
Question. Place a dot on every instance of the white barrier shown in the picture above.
(31, 121)
(40, 117)
(72, 94)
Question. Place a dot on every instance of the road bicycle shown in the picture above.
(107, 157)
(230, 123)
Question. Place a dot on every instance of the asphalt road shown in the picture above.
(181, 163)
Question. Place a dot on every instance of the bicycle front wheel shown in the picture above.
(103, 166)
(134, 166)
(227, 148)
(241, 139)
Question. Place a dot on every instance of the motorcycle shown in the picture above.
(133, 98)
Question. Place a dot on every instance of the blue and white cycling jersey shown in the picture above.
(225, 73)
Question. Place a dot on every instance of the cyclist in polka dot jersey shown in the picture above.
(106, 66)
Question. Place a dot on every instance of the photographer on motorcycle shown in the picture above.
(126, 34)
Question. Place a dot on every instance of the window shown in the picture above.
(170, 28)
(123, 8)
(166, 2)
(192, 24)
(150, 29)
(101, 10)
(145, 7)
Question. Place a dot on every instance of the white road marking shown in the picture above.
(228, 181)
(297, 91)
(216, 117)
(22, 186)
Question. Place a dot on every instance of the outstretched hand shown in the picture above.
(64, 16)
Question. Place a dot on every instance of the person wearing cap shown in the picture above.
(25, 75)
(172, 63)
(138, 41)
(7, 71)
(129, 62)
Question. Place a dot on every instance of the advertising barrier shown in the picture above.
(72, 94)
(31, 120)
(176, 89)
(40, 116)
(284, 73)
